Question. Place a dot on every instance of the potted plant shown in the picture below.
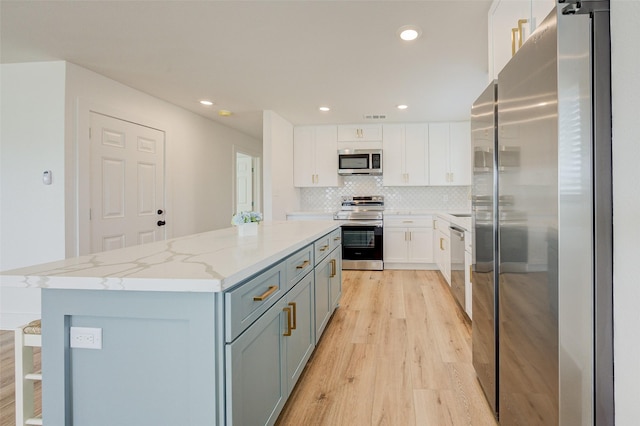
(247, 222)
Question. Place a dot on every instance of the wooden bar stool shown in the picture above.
(26, 337)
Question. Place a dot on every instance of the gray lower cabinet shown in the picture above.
(266, 361)
(328, 275)
(256, 383)
(300, 345)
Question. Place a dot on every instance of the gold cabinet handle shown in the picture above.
(288, 332)
(441, 240)
(407, 221)
(333, 268)
(337, 239)
(470, 272)
(521, 22)
(269, 292)
(303, 265)
(323, 248)
(514, 32)
(410, 236)
(293, 307)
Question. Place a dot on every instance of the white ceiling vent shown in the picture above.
(375, 116)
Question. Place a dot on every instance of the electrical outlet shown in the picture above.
(85, 337)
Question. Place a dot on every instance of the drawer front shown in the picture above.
(322, 248)
(335, 239)
(250, 300)
(408, 222)
(299, 265)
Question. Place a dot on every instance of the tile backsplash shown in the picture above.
(397, 197)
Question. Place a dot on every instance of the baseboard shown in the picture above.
(411, 266)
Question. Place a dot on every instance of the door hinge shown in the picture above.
(89, 132)
(89, 214)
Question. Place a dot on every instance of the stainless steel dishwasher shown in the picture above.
(457, 265)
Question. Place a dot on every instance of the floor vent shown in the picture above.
(375, 116)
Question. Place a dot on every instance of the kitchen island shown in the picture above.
(208, 329)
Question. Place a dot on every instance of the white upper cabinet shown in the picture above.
(360, 133)
(405, 149)
(511, 22)
(315, 156)
(450, 154)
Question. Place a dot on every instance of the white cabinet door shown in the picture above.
(326, 156)
(393, 154)
(450, 153)
(360, 133)
(406, 149)
(460, 153)
(408, 239)
(416, 154)
(315, 156)
(420, 248)
(395, 245)
(304, 156)
(439, 154)
(511, 22)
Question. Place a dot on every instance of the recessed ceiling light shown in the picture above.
(409, 32)
(324, 108)
(206, 102)
(402, 106)
(224, 113)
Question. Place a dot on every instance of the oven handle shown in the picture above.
(376, 223)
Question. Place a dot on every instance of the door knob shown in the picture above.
(161, 223)
(160, 211)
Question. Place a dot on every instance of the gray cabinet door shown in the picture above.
(335, 290)
(256, 379)
(322, 292)
(302, 341)
(328, 289)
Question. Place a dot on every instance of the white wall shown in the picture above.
(31, 141)
(280, 196)
(625, 34)
(199, 152)
(45, 110)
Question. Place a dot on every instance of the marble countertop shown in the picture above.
(462, 222)
(208, 262)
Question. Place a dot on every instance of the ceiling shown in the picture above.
(287, 56)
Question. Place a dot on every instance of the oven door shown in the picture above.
(362, 246)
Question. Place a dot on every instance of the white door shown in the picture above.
(244, 183)
(127, 183)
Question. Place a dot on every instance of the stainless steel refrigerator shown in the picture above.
(542, 275)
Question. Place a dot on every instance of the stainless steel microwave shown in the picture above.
(359, 162)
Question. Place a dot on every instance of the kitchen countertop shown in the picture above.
(462, 222)
(208, 262)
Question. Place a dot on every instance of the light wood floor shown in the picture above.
(397, 352)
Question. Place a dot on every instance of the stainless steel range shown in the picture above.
(361, 219)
